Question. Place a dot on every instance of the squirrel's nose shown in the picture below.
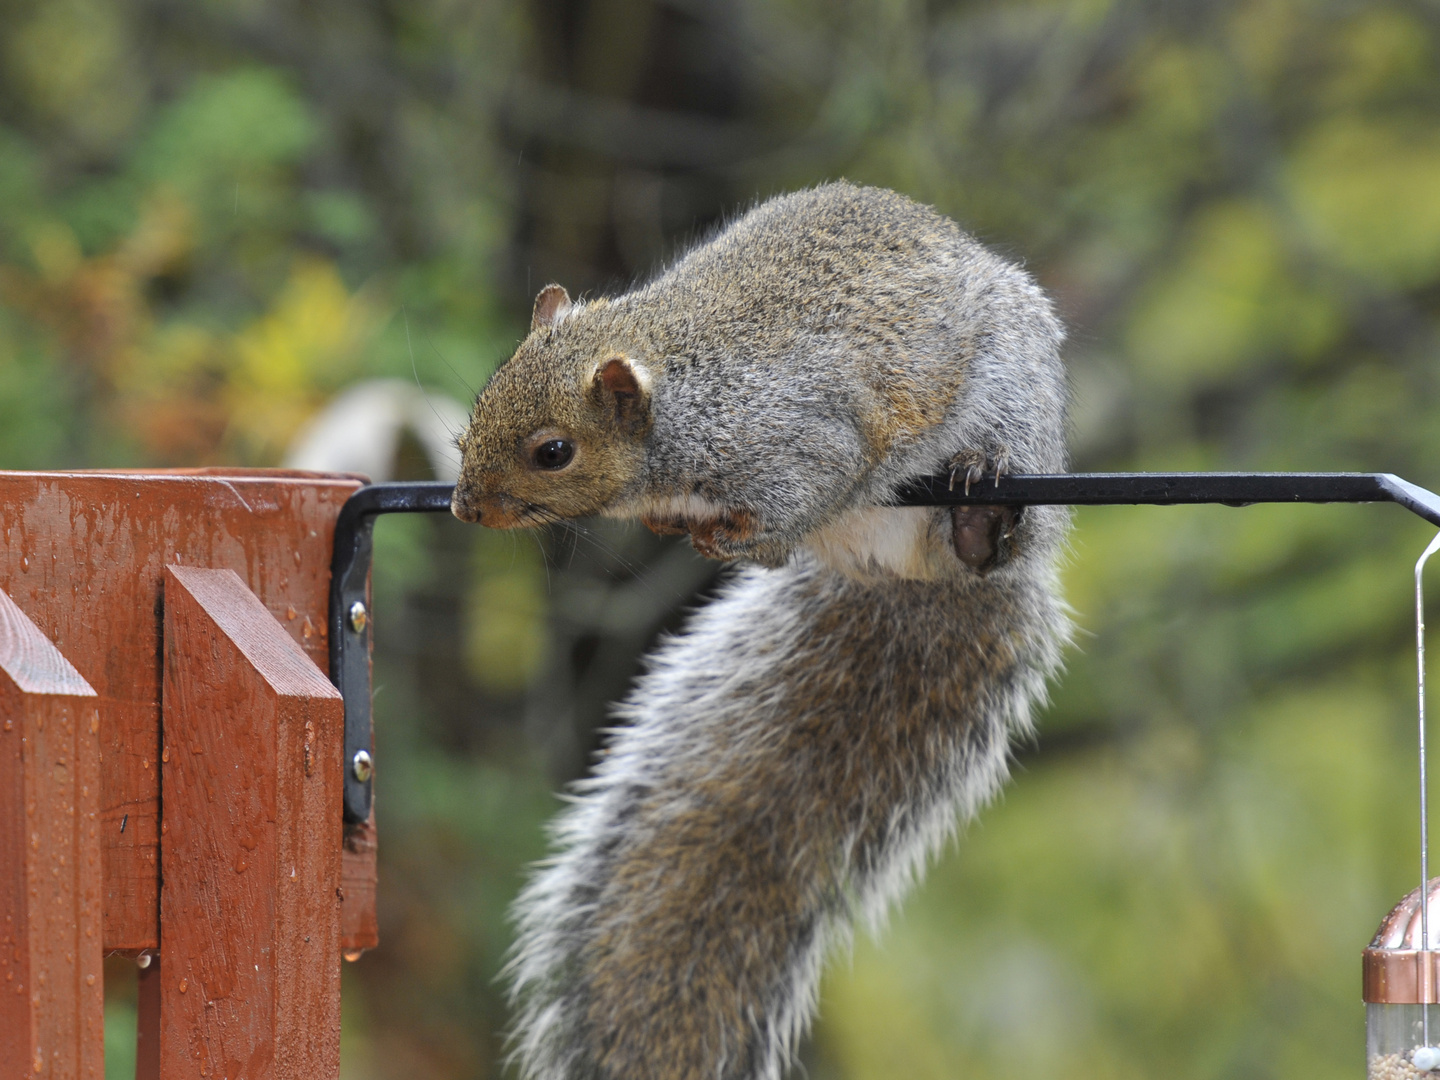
(462, 507)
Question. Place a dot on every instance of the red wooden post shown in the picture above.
(83, 554)
(52, 994)
(251, 843)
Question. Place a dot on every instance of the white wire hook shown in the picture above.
(1424, 809)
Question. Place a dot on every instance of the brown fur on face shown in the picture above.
(585, 389)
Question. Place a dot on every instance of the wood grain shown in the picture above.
(83, 555)
(251, 844)
(358, 879)
(52, 994)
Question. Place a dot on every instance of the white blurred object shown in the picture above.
(360, 430)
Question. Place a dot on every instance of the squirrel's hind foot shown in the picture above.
(983, 536)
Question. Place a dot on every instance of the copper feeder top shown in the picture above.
(1397, 970)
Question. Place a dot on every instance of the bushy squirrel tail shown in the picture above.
(787, 765)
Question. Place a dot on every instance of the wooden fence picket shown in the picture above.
(251, 842)
(52, 993)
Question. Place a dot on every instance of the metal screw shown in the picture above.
(359, 617)
(362, 765)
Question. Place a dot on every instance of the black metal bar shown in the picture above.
(1172, 489)
(350, 567)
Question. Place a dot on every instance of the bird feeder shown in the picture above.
(1402, 973)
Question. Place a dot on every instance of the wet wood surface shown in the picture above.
(52, 990)
(358, 927)
(83, 555)
(251, 841)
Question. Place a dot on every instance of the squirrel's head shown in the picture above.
(559, 430)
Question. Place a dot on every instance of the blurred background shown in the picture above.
(217, 216)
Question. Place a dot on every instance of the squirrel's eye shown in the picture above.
(554, 453)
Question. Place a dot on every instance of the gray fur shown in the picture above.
(794, 757)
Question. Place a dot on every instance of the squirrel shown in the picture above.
(791, 760)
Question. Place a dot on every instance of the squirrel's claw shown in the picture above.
(972, 463)
(1002, 463)
(976, 465)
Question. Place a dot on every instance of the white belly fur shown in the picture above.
(870, 540)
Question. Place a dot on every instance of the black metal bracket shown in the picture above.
(350, 567)
(350, 620)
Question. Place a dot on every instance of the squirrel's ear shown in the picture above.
(626, 388)
(552, 305)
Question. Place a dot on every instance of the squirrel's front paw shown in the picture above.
(725, 535)
(982, 535)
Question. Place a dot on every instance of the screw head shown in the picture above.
(362, 765)
(359, 617)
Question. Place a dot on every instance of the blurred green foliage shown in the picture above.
(213, 216)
